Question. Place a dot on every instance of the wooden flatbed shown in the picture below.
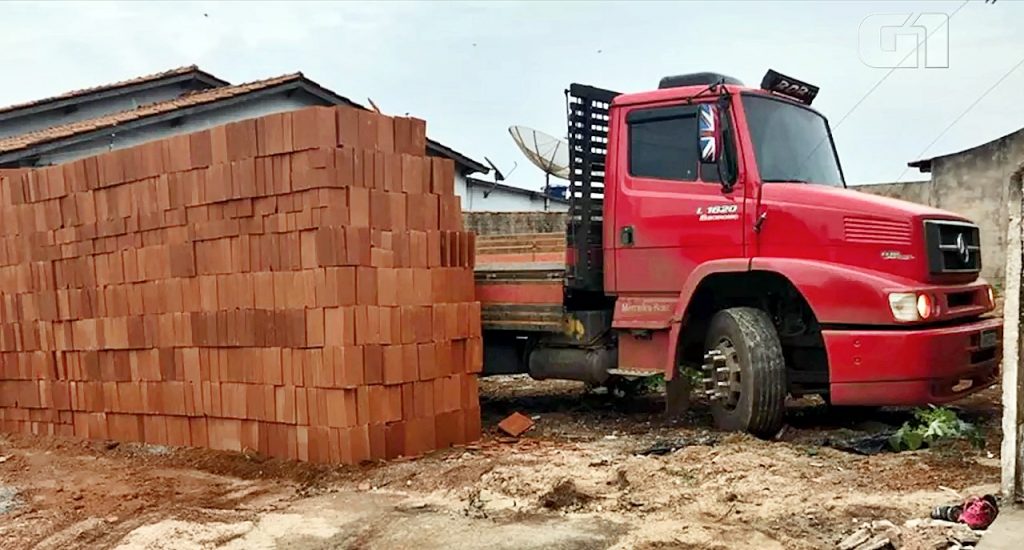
(519, 280)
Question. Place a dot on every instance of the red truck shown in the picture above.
(710, 225)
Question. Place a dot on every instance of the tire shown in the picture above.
(757, 398)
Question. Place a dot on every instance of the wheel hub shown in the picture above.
(722, 374)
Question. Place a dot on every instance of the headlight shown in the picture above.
(904, 306)
(991, 297)
(910, 306)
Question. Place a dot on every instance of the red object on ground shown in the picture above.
(979, 512)
(516, 424)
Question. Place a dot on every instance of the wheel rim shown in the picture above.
(729, 382)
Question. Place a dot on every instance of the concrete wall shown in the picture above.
(973, 183)
(33, 121)
(508, 223)
(500, 200)
(913, 191)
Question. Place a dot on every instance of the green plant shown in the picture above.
(695, 375)
(654, 383)
(933, 425)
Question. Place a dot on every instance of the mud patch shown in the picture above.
(565, 496)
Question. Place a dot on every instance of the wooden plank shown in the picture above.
(522, 317)
(520, 293)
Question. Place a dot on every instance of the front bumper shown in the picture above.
(913, 367)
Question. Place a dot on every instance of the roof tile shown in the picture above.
(14, 143)
(95, 89)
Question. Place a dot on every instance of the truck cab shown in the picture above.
(710, 226)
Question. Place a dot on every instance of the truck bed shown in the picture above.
(519, 280)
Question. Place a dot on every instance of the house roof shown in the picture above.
(925, 165)
(84, 93)
(505, 188)
(445, 151)
(19, 145)
(25, 141)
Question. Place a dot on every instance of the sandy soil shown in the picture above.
(584, 477)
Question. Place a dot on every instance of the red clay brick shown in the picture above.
(314, 327)
(359, 206)
(378, 441)
(394, 436)
(339, 326)
(302, 442)
(178, 431)
(351, 362)
(392, 364)
(348, 126)
(473, 420)
(337, 411)
(373, 364)
(314, 127)
(301, 406)
(366, 285)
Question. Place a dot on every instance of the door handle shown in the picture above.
(626, 237)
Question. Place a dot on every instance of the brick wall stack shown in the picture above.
(298, 285)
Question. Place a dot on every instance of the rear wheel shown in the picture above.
(747, 372)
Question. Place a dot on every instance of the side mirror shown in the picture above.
(710, 133)
(712, 143)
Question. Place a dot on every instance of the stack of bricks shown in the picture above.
(298, 285)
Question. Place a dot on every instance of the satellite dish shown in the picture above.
(547, 152)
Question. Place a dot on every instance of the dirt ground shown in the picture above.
(596, 472)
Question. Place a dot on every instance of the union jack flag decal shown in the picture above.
(708, 134)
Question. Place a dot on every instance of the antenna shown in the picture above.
(375, 107)
(545, 151)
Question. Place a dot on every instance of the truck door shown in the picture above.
(671, 213)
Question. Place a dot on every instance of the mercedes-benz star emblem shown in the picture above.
(961, 248)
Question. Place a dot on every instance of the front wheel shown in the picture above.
(747, 372)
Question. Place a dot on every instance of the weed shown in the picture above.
(695, 375)
(654, 383)
(934, 425)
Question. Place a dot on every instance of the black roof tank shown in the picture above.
(696, 79)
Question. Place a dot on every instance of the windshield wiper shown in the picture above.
(784, 180)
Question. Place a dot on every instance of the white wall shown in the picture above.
(255, 108)
(33, 121)
(500, 200)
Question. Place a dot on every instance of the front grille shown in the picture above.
(953, 247)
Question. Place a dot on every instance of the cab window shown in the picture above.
(663, 145)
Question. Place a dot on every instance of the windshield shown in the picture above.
(791, 143)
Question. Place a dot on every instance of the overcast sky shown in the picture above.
(473, 69)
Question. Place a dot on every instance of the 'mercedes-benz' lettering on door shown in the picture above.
(717, 212)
